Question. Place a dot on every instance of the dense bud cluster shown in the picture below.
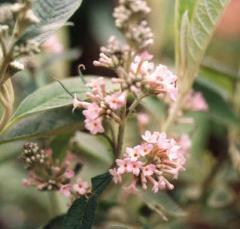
(47, 174)
(32, 155)
(24, 49)
(113, 55)
(129, 17)
(22, 11)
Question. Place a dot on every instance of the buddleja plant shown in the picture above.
(103, 106)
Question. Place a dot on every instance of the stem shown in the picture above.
(121, 130)
(233, 131)
(135, 103)
(173, 113)
(7, 101)
(3, 47)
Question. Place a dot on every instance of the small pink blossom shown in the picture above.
(173, 150)
(79, 104)
(26, 182)
(82, 187)
(150, 137)
(116, 100)
(92, 112)
(116, 176)
(134, 167)
(66, 190)
(69, 173)
(94, 126)
(98, 86)
(144, 149)
(143, 119)
(133, 153)
(148, 170)
(185, 142)
(141, 66)
(163, 81)
(53, 45)
(196, 102)
(122, 166)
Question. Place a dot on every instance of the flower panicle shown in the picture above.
(155, 162)
(47, 174)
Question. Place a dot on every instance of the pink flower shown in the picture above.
(79, 104)
(92, 112)
(98, 86)
(149, 137)
(132, 153)
(82, 187)
(144, 149)
(162, 80)
(141, 66)
(196, 102)
(66, 190)
(53, 45)
(134, 167)
(116, 100)
(143, 119)
(122, 166)
(26, 183)
(116, 176)
(173, 152)
(148, 170)
(185, 142)
(94, 126)
(69, 173)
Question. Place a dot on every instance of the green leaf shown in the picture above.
(181, 7)
(222, 196)
(55, 223)
(42, 124)
(50, 97)
(94, 146)
(163, 204)
(43, 110)
(155, 106)
(81, 214)
(219, 108)
(59, 145)
(204, 19)
(53, 14)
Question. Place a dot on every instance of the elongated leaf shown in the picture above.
(53, 14)
(205, 17)
(94, 146)
(59, 145)
(81, 215)
(50, 97)
(181, 7)
(55, 223)
(162, 202)
(42, 124)
(219, 109)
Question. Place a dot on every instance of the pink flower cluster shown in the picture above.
(159, 79)
(196, 102)
(156, 161)
(102, 105)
